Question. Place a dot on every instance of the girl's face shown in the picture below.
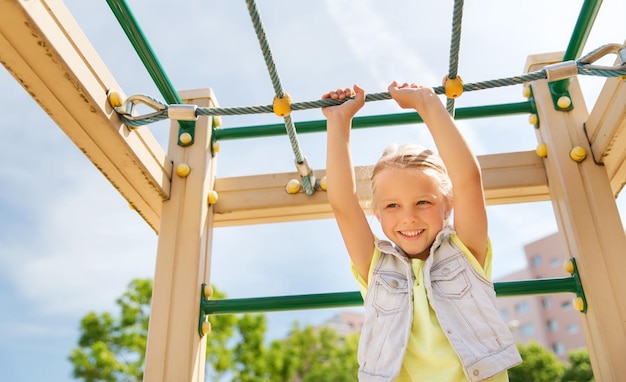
(411, 209)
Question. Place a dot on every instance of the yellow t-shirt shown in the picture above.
(429, 355)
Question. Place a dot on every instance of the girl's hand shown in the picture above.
(413, 96)
(349, 108)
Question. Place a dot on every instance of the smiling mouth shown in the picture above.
(411, 233)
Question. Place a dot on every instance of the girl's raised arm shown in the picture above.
(353, 225)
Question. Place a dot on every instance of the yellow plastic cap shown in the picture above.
(282, 106)
(183, 170)
(206, 327)
(453, 86)
(568, 266)
(526, 92)
(532, 119)
(578, 154)
(578, 303)
(208, 291)
(185, 138)
(564, 102)
(542, 150)
(115, 99)
(212, 197)
(323, 184)
(216, 147)
(293, 186)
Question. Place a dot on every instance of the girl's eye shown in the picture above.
(422, 202)
(392, 205)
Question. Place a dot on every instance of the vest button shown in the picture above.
(445, 271)
(476, 372)
(394, 283)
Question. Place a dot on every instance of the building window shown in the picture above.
(553, 325)
(535, 261)
(546, 302)
(521, 308)
(558, 348)
(572, 328)
(566, 305)
(527, 330)
(555, 262)
(504, 313)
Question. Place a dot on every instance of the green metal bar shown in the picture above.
(139, 41)
(135, 35)
(586, 18)
(370, 121)
(343, 299)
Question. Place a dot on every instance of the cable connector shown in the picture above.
(561, 70)
(182, 112)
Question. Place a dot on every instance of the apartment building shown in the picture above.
(548, 319)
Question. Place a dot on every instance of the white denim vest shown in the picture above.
(462, 299)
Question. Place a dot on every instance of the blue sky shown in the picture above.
(69, 244)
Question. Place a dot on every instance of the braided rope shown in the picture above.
(455, 46)
(271, 68)
(161, 113)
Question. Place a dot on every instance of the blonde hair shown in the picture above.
(411, 156)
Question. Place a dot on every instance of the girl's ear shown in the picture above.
(449, 207)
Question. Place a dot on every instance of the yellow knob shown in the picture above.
(578, 154)
(533, 119)
(453, 86)
(217, 121)
(578, 303)
(542, 150)
(564, 102)
(185, 138)
(115, 99)
(208, 291)
(216, 147)
(526, 92)
(323, 184)
(282, 106)
(568, 266)
(293, 186)
(183, 170)
(206, 327)
(212, 197)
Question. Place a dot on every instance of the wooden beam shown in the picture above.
(46, 51)
(589, 222)
(175, 350)
(606, 131)
(259, 199)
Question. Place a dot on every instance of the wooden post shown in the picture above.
(175, 351)
(589, 221)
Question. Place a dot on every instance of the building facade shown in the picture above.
(549, 320)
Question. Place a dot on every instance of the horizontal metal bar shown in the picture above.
(344, 299)
(370, 121)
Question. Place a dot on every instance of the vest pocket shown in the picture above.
(449, 279)
(390, 293)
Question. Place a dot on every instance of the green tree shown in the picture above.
(313, 355)
(539, 365)
(112, 348)
(579, 369)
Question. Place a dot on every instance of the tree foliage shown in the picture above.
(539, 365)
(579, 369)
(112, 348)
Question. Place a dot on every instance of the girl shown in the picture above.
(429, 308)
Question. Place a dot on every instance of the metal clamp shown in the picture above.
(182, 112)
(128, 112)
(561, 70)
(591, 57)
